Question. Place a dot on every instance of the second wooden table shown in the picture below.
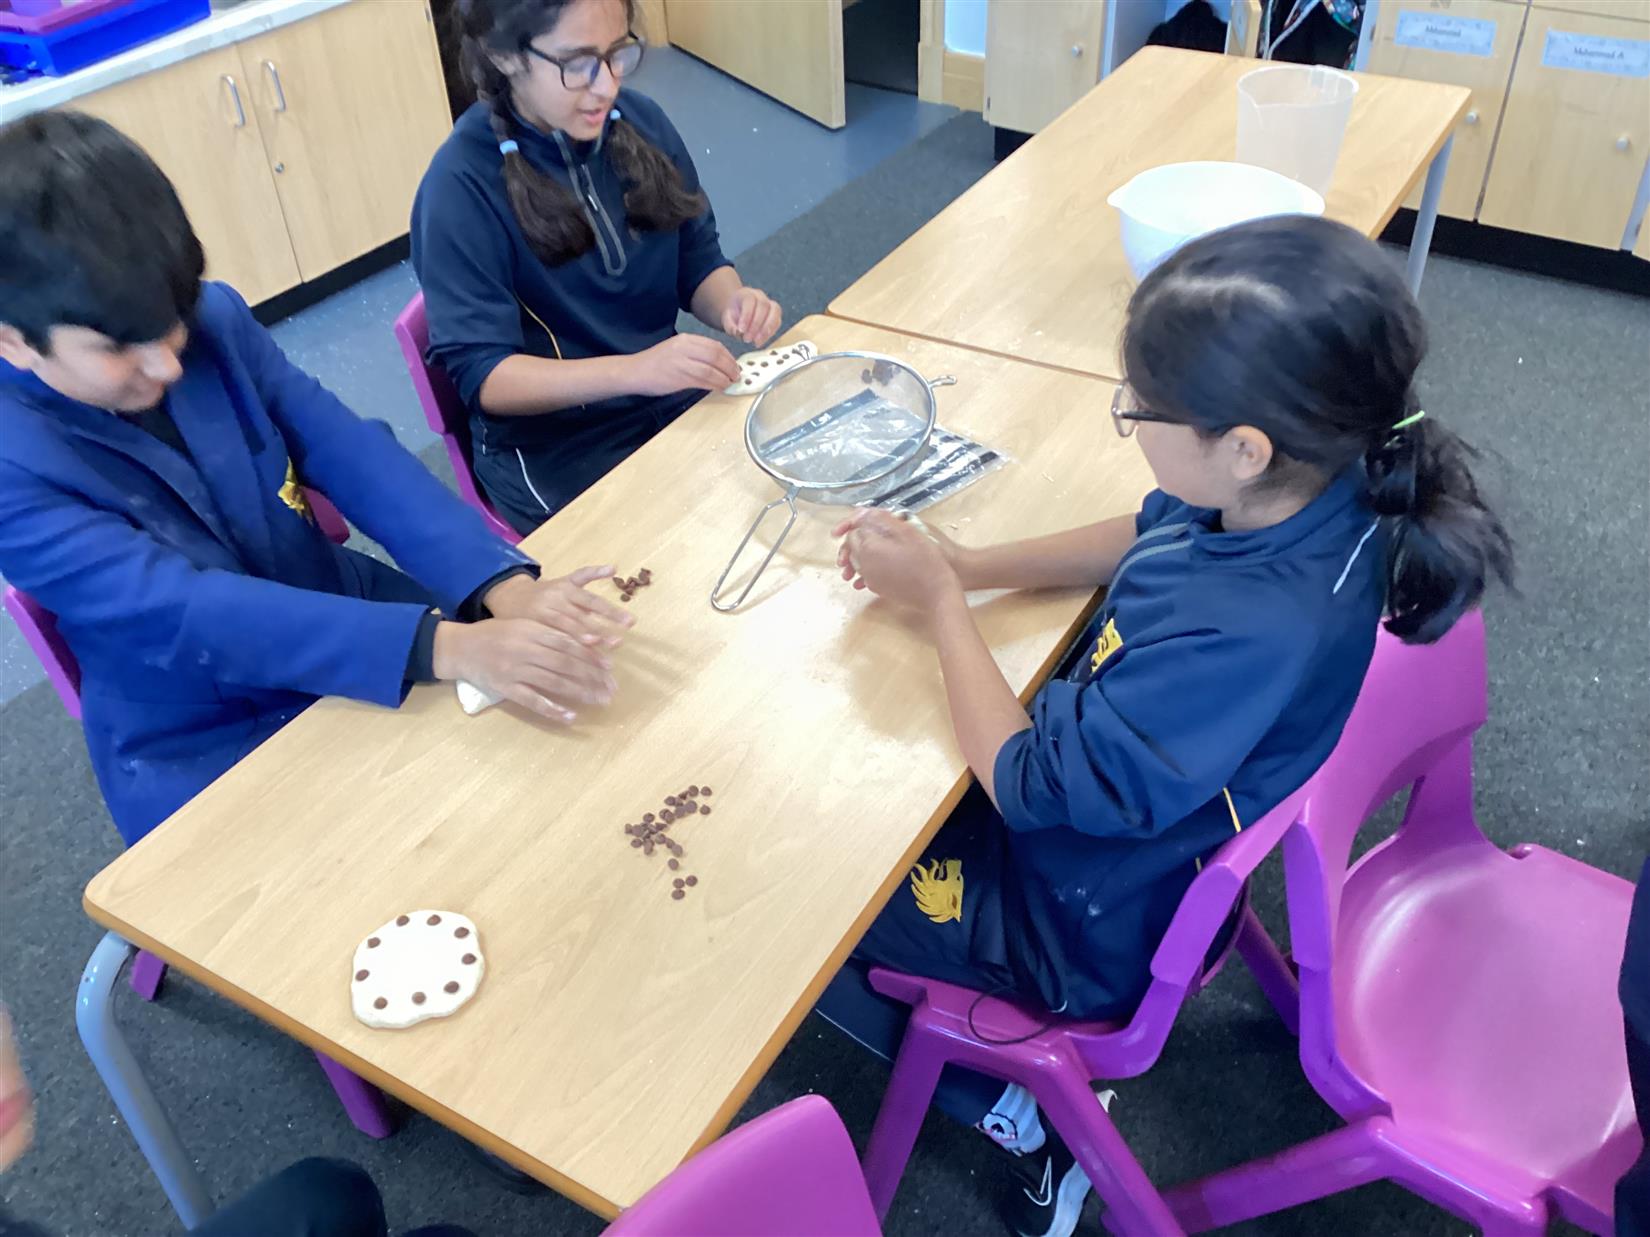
(1029, 263)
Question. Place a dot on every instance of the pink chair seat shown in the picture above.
(1528, 951)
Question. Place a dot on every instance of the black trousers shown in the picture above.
(313, 1198)
(944, 923)
(1633, 1193)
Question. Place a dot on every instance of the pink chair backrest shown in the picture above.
(1180, 967)
(791, 1172)
(1418, 710)
(443, 409)
(39, 625)
(39, 628)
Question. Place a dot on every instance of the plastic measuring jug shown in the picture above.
(1291, 119)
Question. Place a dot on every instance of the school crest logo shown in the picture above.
(1108, 643)
(938, 889)
(292, 494)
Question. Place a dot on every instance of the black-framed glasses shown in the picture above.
(1124, 420)
(580, 70)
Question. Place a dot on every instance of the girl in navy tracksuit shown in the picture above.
(1302, 496)
(556, 234)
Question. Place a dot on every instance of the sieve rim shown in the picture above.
(794, 486)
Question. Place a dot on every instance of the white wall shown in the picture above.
(965, 26)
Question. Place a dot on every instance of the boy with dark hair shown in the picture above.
(154, 449)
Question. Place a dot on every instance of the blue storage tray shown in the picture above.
(75, 46)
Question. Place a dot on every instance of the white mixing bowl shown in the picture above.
(1164, 207)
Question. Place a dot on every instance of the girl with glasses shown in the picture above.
(1303, 499)
(557, 233)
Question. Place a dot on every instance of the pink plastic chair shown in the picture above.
(1457, 1003)
(367, 1108)
(789, 1173)
(1056, 1059)
(444, 411)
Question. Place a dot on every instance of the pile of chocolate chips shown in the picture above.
(654, 831)
(627, 588)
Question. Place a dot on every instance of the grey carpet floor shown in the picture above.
(1549, 378)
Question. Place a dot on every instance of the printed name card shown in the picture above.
(1594, 53)
(1444, 32)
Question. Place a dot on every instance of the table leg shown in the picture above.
(133, 1097)
(1420, 244)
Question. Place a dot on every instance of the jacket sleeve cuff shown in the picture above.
(421, 657)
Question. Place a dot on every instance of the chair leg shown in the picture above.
(1135, 1208)
(134, 1099)
(147, 972)
(904, 1105)
(1337, 1161)
(1270, 969)
(367, 1108)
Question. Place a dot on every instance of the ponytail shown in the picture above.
(1305, 330)
(548, 212)
(1445, 542)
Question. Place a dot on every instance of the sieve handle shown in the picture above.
(944, 380)
(789, 500)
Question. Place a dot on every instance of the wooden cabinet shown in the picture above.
(298, 149)
(195, 120)
(1632, 10)
(1468, 43)
(350, 107)
(1041, 56)
(1575, 131)
(791, 50)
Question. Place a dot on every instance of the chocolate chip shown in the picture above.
(372, 942)
(678, 894)
(670, 800)
(400, 921)
(450, 986)
(433, 920)
(648, 819)
(625, 597)
(468, 959)
(692, 880)
(704, 809)
(636, 841)
(379, 1003)
(359, 975)
(418, 998)
(672, 865)
(619, 580)
(693, 792)
(748, 381)
(667, 816)
(461, 933)
(704, 792)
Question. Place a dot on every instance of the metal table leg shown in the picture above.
(1420, 244)
(112, 1057)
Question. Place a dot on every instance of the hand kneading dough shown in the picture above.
(473, 699)
(424, 964)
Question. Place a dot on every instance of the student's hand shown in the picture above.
(541, 669)
(683, 363)
(16, 1105)
(753, 316)
(896, 559)
(563, 604)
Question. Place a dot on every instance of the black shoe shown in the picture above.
(1047, 1191)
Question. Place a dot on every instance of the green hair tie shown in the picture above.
(1408, 421)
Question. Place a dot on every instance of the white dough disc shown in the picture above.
(421, 965)
(473, 699)
(757, 370)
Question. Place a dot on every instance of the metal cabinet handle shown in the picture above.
(235, 95)
(1472, 117)
(275, 80)
(1077, 50)
(1623, 142)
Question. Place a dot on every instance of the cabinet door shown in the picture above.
(195, 120)
(1574, 134)
(1041, 56)
(791, 50)
(1633, 10)
(351, 106)
(1467, 43)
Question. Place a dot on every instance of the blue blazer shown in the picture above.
(204, 608)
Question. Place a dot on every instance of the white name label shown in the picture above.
(1441, 32)
(1593, 53)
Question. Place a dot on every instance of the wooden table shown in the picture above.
(618, 1030)
(1029, 263)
